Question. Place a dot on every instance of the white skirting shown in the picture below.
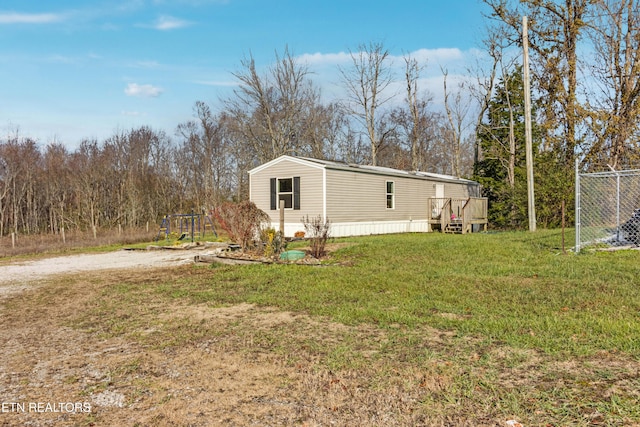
(344, 229)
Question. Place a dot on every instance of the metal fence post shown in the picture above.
(577, 207)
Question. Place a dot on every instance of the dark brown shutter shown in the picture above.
(296, 193)
(274, 195)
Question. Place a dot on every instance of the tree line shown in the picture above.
(586, 92)
(135, 177)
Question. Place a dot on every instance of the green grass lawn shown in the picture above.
(476, 328)
(516, 288)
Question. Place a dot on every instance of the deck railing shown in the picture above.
(465, 212)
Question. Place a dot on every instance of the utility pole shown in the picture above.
(527, 126)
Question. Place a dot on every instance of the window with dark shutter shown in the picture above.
(285, 190)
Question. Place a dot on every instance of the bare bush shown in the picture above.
(317, 229)
(243, 222)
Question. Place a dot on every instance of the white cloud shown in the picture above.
(428, 56)
(30, 18)
(165, 23)
(142, 91)
(442, 55)
(325, 58)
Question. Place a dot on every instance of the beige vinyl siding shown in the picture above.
(310, 189)
(355, 197)
(360, 196)
(457, 191)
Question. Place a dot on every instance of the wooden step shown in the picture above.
(453, 228)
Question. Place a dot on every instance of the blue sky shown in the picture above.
(75, 69)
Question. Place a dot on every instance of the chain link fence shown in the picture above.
(607, 208)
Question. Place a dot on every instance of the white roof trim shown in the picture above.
(377, 170)
(299, 160)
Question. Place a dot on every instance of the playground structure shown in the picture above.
(191, 225)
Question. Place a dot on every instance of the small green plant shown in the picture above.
(273, 242)
(317, 229)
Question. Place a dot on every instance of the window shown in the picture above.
(391, 203)
(285, 192)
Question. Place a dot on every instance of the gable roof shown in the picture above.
(377, 170)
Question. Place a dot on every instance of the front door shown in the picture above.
(438, 202)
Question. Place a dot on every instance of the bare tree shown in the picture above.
(205, 157)
(57, 186)
(485, 79)
(417, 127)
(616, 67)
(366, 83)
(242, 156)
(412, 75)
(270, 111)
(20, 167)
(503, 64)
(90, 183)
(6, 178)
(500, 127)
(555, 29)
(118, 182)
(349, 146)
(457, 106)
(322, 130)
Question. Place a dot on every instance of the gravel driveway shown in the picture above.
(15, 277)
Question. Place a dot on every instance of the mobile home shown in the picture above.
(362, 200)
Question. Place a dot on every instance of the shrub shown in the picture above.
(318, 231)
(273, 242)
(242, 221)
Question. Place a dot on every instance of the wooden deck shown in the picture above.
(458, 215)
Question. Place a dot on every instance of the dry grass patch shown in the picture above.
(33, 245)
